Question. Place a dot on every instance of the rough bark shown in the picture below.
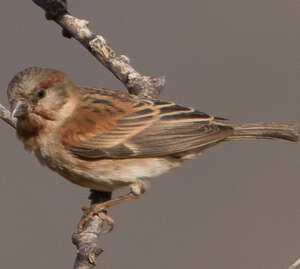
(7, 117)
(96, 44)
(295, 265)
(87, 241)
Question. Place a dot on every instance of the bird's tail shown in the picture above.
(273, 130)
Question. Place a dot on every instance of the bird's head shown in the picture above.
(36, 96)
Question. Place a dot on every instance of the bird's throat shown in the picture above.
(28, 130)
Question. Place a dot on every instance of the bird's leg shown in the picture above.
(100, 208)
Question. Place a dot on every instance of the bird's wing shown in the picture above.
(112, 124)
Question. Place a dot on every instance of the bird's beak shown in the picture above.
(20, 110)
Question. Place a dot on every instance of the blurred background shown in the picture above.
(235, 206)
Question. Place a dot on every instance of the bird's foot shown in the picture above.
(96, 210)
(99, 209)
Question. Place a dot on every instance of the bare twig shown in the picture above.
(6, 116)
(119, 65)
(87, 240)
(295, 265)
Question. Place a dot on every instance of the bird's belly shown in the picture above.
(108, 175)
(105, 175)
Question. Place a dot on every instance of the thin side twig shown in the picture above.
(295, 265)
(7, 117)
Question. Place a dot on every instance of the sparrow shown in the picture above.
(107, 139)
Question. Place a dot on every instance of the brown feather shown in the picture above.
(96, 114)
(45, 84)
(104, 139)
(103, 127)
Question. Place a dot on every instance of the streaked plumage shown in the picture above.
(106, 139)
(133, 128)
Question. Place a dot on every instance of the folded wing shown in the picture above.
(111, 124)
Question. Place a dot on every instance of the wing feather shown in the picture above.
(112, 124)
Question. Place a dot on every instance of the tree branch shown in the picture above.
(119, 65)
(7, 117)
(87, 240)
(295, 265)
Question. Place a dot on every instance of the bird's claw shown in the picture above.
(109, 221)
(95, 211)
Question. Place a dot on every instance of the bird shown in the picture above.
(105, 139)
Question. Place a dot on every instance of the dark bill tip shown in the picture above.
(20, 110)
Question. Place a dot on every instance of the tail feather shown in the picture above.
(273, 130)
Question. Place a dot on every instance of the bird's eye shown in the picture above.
(41, 93)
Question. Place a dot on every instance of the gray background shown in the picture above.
(237, 205)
